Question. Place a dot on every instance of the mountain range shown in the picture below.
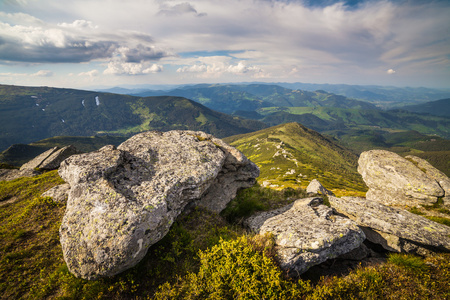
(29, 114)
(320, 110)
(385, 97)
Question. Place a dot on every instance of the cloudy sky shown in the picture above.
(98, 43)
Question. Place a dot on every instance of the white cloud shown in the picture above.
(78, 41)
(82, 24)
(278, 38)
(216, 66)
(92, 73)
(118, 67)
(391, 71)
(43, 73)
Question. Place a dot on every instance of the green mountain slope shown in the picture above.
(291, 155)
(32, 113)
(437, 108)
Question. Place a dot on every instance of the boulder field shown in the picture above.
(122, 200)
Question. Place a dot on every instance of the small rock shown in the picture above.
(315, 187)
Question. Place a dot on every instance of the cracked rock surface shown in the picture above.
(395, 229)
(394, 180)
(123, 200)
(307, 233)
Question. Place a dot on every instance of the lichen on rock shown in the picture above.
(307, 233)
(122, 200)
(395, 229)
(394, 180)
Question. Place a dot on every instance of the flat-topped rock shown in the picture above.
(395, 229)
(50, 159)
(394, 180)
(123, 200)
(307, 233)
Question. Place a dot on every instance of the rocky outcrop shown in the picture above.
(50, 159)
(394, 180)
(395, 229)
(307, 233)
(122, 200)
(315, 187)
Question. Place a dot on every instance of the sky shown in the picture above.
(106, 43)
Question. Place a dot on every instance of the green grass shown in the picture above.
(427, 211)
(257, 198)
(290, 155)
(204, 256)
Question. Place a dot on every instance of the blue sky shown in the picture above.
(99, 43)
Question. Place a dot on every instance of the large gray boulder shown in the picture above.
(394, 180)
(395, 229)
(123, 200)
(307, 233)
(50, 159)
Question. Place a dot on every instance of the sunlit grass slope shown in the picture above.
(291, 155)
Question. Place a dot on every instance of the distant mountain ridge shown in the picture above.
(28, 114)
(228, 98)
(385, 97)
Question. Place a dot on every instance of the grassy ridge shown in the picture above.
(291, 155)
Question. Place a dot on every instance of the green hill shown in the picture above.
(28, 114)
(437, 108)
(291, 155)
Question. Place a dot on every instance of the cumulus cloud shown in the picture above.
(83, 24)
(43, 73)
(215, 66)
(280, 38)
(79, 41)
(391, 71)
(92, 73)
(118, 67)
(179, 9)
